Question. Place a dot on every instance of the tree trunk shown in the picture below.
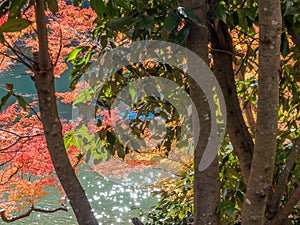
(222, 55)
(206, 183)
(262, 168)
(44, 82)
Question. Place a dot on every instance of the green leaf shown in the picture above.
(228, 207)
(98, 6)
(14, 25)
(121, 22)
(21, 101)
(221, 13)
(111, 137)
(291, 9)
(284, 47)
(171, 21)
(15, 8)
(181, 215)
(120, 151)
(189, 14)
(252, 13)
(123, 4)
(52, 5)
(4, 99)
(73, 54)
(132, 93)
(243, 23)
(146, 22)
(68, 139)
(77, 2)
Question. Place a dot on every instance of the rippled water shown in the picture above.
(113, 201)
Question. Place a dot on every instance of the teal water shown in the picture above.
(113, 200)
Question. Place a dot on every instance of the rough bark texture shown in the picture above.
(223, 69)
(261, 175)
(206, 183)
(44, 82)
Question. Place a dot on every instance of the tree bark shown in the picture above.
(206, 183)
(44, 82)
(273, 204)
(223, 69)
(261, 175)
(136, 221)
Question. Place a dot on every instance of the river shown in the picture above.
(113, 201)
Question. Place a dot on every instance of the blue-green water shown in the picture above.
(113, 201)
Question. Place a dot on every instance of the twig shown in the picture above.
(60, 48)
(220, 50)
(19, 55)
(19, 137)
(11, 175)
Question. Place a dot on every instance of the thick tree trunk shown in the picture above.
(262, 168)
(206, 183)
(223, 69)
(44, 82)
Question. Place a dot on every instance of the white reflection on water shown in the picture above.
(112, 203)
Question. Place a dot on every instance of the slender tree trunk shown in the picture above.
(262, 168)
(206, 183)
(223, 69)
(44, 82)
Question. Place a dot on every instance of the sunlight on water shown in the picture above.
(113, 201)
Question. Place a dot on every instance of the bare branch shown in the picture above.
(34, 111)
(10, 176)
(19, 137)
(60, 48)
(11, 57)
(26, 214)
(20, 56)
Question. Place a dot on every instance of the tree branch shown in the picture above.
(10, 176)
(26, 214)
(274, 201)
(239, 134)
(292, 32)
(44, 58)
(18, 138)
(136, 221)
(285, 210)
(60, 48)
(20, 55)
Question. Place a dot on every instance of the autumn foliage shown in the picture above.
(26, 166)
